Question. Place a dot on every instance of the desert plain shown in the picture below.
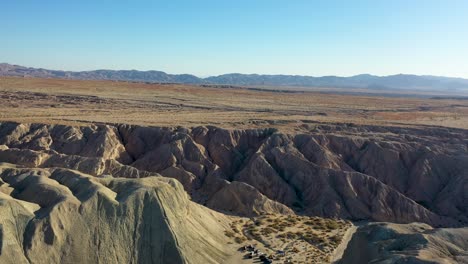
(84, 102)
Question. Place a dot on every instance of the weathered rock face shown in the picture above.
(357, 172)
(241, 198)
(410, 243)
(63, 216)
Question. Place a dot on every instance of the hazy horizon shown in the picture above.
(209, 38)
(207, 76)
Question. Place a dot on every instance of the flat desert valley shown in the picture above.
(83, 102)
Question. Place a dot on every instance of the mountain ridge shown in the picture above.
(365, 81)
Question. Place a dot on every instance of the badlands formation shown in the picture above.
(135, 194)
(116, 172)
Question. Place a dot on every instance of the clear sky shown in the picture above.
(213, 37)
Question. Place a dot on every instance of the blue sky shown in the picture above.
(210, 37)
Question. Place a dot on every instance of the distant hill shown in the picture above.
(123, 75)
(366, 81)
(400, 81)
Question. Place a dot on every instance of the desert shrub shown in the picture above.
(335, 239)
(267, 230)
(256, 235)
(331, 225)
(239, 240)
(291, 235)
(291, 220)
(320, 225)
(313, 239)
(259, 222)
(251, 229)
(319, 239)
(229, 233)
(281, 235)
(279, 226)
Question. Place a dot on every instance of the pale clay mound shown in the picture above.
(390, 174)
(386, 243)
(63, 216)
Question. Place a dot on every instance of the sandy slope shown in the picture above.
(339, 251)
(386, 243)
(63, 216)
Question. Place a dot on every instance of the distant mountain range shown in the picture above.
(366, 81)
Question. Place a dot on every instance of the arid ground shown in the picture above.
(169, 173)
(82, 102)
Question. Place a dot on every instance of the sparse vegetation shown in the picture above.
(240, 239)
(317, 236)
(229, 233)
(186, 105)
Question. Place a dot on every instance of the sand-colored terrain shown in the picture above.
(283, 238)
(117, 172)
(63, 216)
(79, 102)
(383, 243)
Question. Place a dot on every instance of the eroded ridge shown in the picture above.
(354, 172)
(64, 216)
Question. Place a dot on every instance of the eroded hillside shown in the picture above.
(61, 216)
(391, 174)
(411, 243)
